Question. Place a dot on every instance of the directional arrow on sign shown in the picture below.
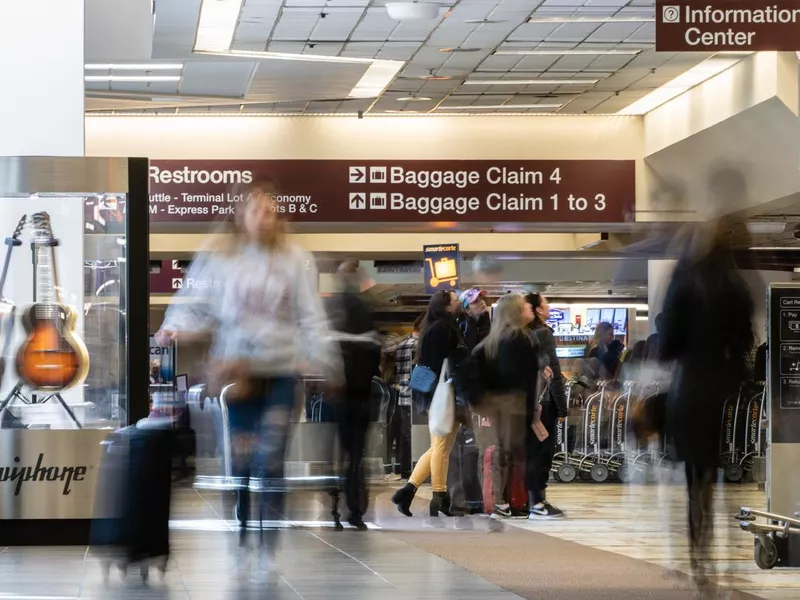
(358, 201)
(358, 174)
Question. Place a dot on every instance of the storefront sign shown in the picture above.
(561, 191)
(441, 267)
(727, 25)
(556, 316)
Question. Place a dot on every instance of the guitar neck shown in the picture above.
(46, 280)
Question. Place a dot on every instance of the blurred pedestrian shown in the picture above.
(353, 327)
(707, 332)
(507, 361)
(440, 340)
(400, 425)
(262, 309)
(476, 322)
(552, 407)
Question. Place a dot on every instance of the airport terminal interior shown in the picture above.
(235, 228)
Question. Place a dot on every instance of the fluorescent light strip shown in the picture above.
(777, 248)
(500, 107)
(618, 19)
(217, 25)
(566, 52)
(530, 81)
(135, 67)
(131, 78)
(298, 57)
(414, 99)
(682, 83)
(376, 79)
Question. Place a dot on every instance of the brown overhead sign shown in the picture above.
(727, 25)
(376, 191)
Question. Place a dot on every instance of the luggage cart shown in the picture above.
(564, 468)
(753, 447)
(590, 460)
(618, 454)
(728, 453)
(769, 536)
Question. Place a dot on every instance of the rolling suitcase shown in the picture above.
(463, 474)
(133, 503)
(516, 494)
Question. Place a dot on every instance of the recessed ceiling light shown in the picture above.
(500, 107)
(485, 21)
(566, 52)
(413, 99)
(529, 81)
(617, 19)
(436, 77)
(131, 78)
(459, 49)
(134, 67)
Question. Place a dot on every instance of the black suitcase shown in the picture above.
(463, 480)
(133, 499)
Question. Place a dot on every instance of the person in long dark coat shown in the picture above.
(707, 334)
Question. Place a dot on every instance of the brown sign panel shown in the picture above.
(727, 25)
(366, 191)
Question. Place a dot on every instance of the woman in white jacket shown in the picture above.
(256, 294)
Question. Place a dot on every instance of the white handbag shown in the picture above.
(442, 413)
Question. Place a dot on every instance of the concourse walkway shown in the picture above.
(620, 543)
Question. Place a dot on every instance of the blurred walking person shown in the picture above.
(707, 332)
(440, 340)
(507, 362)
(265, 318)
(400, 426)
(553, 405)
(353, 327)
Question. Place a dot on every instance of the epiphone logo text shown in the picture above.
(39, 473)
(187, 175)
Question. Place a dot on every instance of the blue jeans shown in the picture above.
(260, 427)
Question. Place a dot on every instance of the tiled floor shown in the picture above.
(642, 522)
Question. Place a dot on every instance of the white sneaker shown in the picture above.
(267, 572)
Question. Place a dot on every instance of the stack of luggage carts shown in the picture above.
(595, 442)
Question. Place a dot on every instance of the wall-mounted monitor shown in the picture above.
(593, 317)
(620, 319)
(607, 315)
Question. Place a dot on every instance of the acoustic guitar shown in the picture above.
(52, 357)
(7, 307)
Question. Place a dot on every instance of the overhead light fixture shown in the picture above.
(500, 107)
(376, 79)
(682, 83)
(131, 78)
(217, 25)
(551, 52)
(413, 11)
(485, 21)
(134, 67)
(765, 227)
(530, 81)
(414, 99)
(257, 55)
(615, 19)
(454, 50)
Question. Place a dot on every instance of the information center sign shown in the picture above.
(727, 25)
(784, 362)
(554, 191)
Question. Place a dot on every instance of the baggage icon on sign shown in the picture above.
(443, 271)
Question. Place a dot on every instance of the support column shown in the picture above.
(659, 274)
(41, 55)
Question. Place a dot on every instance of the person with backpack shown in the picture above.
(476, 322)
(552, 407)
(441, 340)
(508, 382)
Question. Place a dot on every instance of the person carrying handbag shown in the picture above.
(440, 341)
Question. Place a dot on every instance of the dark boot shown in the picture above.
(440, 503)
(403, 498)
